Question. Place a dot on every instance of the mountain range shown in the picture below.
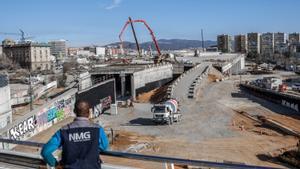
(168, 44)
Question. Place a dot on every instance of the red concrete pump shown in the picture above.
(151, 33)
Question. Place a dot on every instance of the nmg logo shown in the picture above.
(79, 137)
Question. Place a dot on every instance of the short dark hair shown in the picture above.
(82, 108)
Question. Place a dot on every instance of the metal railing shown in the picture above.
(162, 159)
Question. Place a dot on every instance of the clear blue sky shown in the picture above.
(86, 22)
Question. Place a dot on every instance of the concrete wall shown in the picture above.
(159, 74)
(235, 66)
(152, 74)
(5, 104)
(41, 118)
(85, 80)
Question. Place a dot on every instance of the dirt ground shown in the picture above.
(256, 145)
(221, 134)
(154, 96)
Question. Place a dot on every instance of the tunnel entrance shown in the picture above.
(123, 84)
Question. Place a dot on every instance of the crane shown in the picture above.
(21, 34)
(130, 21)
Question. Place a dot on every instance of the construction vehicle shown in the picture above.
(158, 58)
(166, 113)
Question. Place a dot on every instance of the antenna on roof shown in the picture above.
(202, 38)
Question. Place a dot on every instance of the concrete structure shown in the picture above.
(5, 105)
(100, 51)
(224, 43)
(240, 44)
(1, 51)
(84, 80)
(234, 66)
(253, 43)
(232, 63)
(58, 49)
(279, 42)
(30, 56)
(267, 44)
(132, 80)
(41, 118)
(294, 38)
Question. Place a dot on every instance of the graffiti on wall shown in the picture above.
(103, 105)
(293, 106)
(22, 128)
(100, 97)
(46, 117)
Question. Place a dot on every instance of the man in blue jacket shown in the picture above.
(81, 142)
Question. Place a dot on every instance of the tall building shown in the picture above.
(267, 43)
(5, 104)
(294, 38)
(58, 49)
(240, 43)
(30, 56)
(279, 42)
(253, 42)
(224, 43)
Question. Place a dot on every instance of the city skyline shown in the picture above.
(99, 22)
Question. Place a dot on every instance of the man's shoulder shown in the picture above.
(80, 124)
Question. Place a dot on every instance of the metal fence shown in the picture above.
(161, 159)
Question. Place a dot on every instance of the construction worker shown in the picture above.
(81, 142)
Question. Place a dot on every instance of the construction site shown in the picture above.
(200, 107)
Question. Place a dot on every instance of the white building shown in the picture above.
(84, 53)
(5, 104)
(100, 51)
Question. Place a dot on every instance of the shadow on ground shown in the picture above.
(264, 157)
(274, 107)
(141, 122)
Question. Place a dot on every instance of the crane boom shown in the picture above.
(149, 29)
(21, 34)
(135, 38)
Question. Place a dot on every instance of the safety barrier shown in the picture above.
(153, 158)
(193, 87)
(173, 85)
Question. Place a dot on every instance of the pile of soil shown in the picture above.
(214, 74)
(154, 96)
(124, 139)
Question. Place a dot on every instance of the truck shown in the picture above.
(167, 112)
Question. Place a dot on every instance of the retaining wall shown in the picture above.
(286, 100)
(41, 118)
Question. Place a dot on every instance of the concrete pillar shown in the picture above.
(123, 84)
(133, 94)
